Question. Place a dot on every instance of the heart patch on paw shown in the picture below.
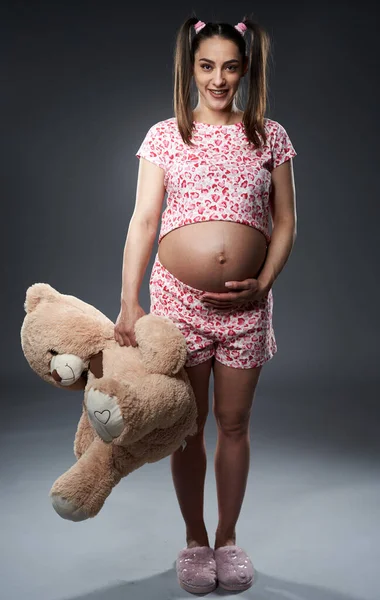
(103, 416)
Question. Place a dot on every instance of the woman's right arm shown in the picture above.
(140, 239)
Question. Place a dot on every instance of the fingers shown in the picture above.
(220, 305)
(124, 339)
(225, 301)
(223, 304)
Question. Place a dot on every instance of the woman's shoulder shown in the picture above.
(161, 131)
(279, 141)
(274, 128)
(165, 125)
(271, 126)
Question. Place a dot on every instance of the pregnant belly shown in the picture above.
(205, 255)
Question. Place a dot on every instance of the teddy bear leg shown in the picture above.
(85, 434)
(80, 493)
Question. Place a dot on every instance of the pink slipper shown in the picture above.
(234, 568)
(196, 569)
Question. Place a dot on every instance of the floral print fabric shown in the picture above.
(222, 178)
(240, 337)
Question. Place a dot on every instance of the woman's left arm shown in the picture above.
(283, 210)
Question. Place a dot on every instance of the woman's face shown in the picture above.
(218, 66)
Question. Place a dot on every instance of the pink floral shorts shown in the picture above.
(241, 337)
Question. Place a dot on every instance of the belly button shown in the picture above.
(222, 259)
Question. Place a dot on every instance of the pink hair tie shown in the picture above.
(241, 27)
(198, 26)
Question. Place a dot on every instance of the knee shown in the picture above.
(236, 425)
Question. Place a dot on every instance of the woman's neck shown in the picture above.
(235, 116)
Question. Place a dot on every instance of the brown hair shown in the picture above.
(187, 43)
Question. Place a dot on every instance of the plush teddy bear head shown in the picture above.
(61, 334)
(138, 403)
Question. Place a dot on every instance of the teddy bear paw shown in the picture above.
(104, 415)
(67, 509)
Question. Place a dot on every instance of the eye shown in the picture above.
(53, 352)
(233, 67)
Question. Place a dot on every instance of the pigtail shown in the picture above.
(254, 112)
(183, 68)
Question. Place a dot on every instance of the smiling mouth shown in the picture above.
(218, 93)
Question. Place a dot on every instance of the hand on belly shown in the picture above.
(249, 290)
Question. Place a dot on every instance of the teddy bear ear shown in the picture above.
(37, 292)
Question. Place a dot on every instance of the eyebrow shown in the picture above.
(227, 61)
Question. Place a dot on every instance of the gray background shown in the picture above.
(81, 83)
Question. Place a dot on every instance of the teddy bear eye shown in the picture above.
(53, 352)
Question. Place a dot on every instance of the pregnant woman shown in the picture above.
(225, 172)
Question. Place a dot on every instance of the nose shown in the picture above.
(219, 80)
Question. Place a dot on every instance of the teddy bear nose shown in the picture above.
(56, 377)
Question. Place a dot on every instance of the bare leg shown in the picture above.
(233, 396)
(189, 465)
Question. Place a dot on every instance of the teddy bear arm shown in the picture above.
(162, 345)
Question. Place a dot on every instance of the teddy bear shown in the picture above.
(138, 405)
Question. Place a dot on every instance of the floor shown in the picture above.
(310, 519)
